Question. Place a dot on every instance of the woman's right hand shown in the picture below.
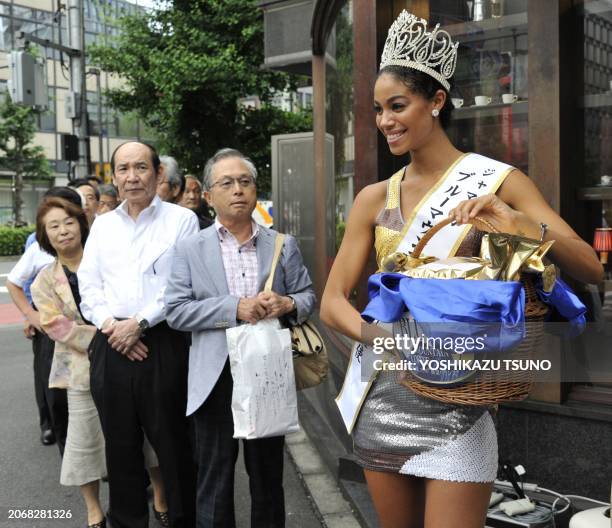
(29, 330)
(34, 319)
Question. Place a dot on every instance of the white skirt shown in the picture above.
(84, 455)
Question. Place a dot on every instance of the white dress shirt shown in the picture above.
(126, 262)
(31, 262)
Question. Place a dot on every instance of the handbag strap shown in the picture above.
(278, 245)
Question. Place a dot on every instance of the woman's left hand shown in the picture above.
(488, 207)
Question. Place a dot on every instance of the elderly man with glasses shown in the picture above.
(109, 198)
(216, 282)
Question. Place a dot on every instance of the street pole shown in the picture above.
(98, 74)
(78, 84)
(100, 146)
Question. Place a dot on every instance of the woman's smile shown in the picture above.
(395, 136)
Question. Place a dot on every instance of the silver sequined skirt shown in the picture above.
(400, 431)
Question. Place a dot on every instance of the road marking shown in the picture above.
(4, 274)
(3, 289)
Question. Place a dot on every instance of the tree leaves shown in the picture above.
(185, 68)
(17, 128)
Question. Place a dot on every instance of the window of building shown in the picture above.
(112, 122)
(5, 33)
(92, 113)
(23, 12)
(339, 90)
(121, 124)
(592, 79)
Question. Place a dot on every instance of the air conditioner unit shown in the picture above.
(287, 38)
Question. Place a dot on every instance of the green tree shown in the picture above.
(185, 66)
(17, 128)
(254, 132)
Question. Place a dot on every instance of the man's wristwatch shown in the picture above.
(293, 305)
(143, 324)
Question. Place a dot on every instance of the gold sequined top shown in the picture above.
(390, 224)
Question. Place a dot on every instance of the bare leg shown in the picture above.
(159, 496)
(90, 492)
(456, 504)
(398, 499)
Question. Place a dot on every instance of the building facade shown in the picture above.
(41, 18)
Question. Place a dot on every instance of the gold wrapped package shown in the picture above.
(511, 254)
(502, 257)
(450, 268)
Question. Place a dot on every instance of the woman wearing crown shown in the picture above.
(429, 463)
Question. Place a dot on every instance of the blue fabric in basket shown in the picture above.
(451, 308)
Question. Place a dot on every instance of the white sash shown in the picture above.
(472, 175)
(352, 394)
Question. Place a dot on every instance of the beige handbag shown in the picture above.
(309, 353)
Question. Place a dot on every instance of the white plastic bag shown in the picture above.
(264, 401)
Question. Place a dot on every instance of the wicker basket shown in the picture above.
(489, 388)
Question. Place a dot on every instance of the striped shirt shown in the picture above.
(239, 261)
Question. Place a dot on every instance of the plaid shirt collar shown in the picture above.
(224, 234)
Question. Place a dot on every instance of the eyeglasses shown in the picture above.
(227, 183)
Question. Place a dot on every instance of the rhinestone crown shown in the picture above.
(409, 44)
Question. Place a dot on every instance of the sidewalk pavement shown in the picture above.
(333, 509)
(326, 499)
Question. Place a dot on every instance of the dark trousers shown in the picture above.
(217, 451)
(52, 403)
(132, 396)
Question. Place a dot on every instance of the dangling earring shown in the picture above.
(435, 112)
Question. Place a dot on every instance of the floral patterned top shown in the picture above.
(61, 320)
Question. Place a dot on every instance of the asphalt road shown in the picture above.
(29, 471)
